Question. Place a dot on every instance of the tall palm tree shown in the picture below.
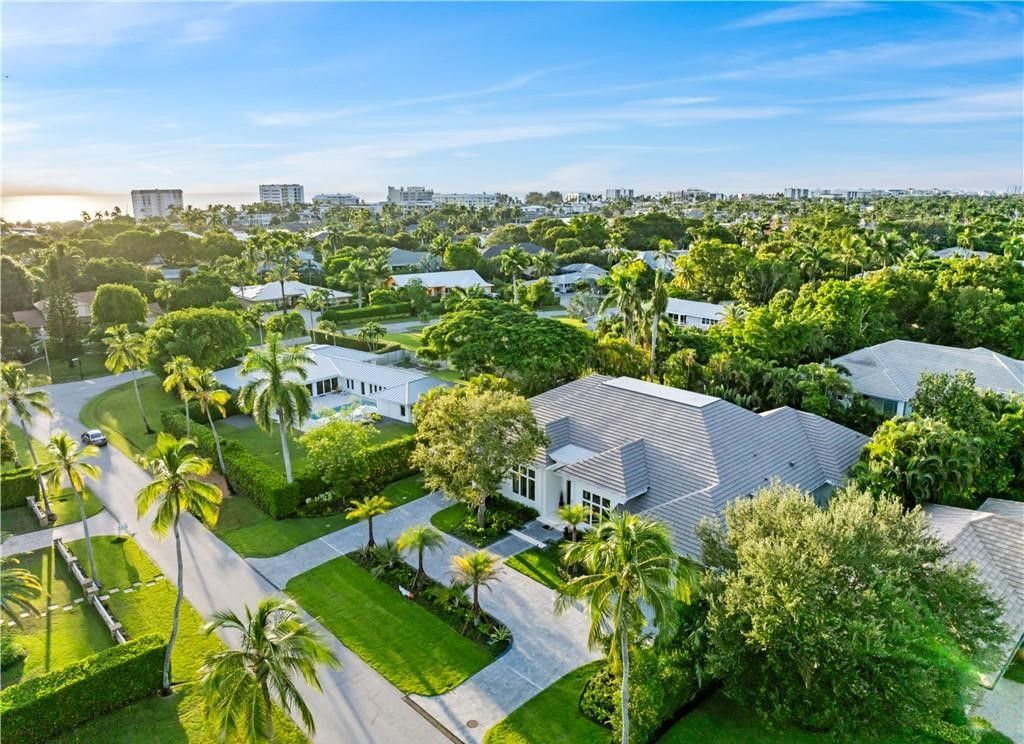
(177, 487)
(545, 263)
(623, 294)
(16, 389)
(253, 317)
(240, 684)
(420, 537)
(181, 377)
(277, 388)
(280, 273)
(371, 333)
(211, 396)
(368, 508)
(476, 569)
(573, 515)
(126, 352)
(316, 301)
(18, 587)
(659, 298)
(513, 262)
(627, 564)
(68, 460)
(357, 274)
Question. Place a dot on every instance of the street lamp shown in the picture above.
(46, 352)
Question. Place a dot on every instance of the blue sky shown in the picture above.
(216, 98)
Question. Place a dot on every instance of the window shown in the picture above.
(708, 321)
(524, 482)
(401, 410)
(599, 507)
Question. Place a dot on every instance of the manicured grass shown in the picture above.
(21, 445)
(458, 521)
(92, 366)
(117, 413)
(20, 520)
(539, 565)
(553, 716)
(411, 339)
(448, 375)
(415, 650)
(253, 534)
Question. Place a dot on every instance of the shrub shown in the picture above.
(40, 708)
(117, 303)
(354, 343)
(387, 463)
(370, 311)
(16, 486)
(11, 652)
(599, 698)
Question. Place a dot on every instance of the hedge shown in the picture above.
(354, 343)
(16, 486)
(369, 311)
(247, 474)
(43, 707)
(387, 463)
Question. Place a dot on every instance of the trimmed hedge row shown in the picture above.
(246, 473)
(387, 463)
(354, 343)
(16, 486)
(40, 708)
(368, 311)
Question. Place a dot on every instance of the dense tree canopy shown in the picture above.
(17, 286)
(117, 303)
(210, 337)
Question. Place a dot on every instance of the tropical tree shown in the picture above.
(277, 389)
(126, 352)
(211, 396)
(324, 326)
(181, 378)
(628, 565)
(16, 389)
(240, 684)
(476, 569)
(622, 285)
(177, 487)
(368, 508)
(253, 318)
(68, 460)
(317, 300)
(18, 587)
(573, 515)
(513, 262)
(371, 333)
(357, 274)
(420, 537)
(545, 263)
(659, 298)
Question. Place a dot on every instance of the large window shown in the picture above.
(598, 507)
(524, 482)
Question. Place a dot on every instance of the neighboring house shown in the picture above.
(440, 282)
(947, 253)
(403, 259)
(666, 263)
(670, 454)
(888, 373)
(495, 251)
(570, 276)
(305, 261)
(992, 539)
(701, 315)
(342, 378)
(270, 295)
(35, 318)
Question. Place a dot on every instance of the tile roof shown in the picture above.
(692, 308)
(496, 250)
(400, 257)
(271, 291)
(438, 279)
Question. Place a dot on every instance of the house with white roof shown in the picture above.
(672, 455)
(441, 282)
(571, 276)
(342, 380)
(271, 294)
(888, 373)
(701, 315)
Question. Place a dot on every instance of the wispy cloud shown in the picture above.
(958, 108)
(807, 10)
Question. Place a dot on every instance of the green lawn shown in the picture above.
(448, 375)
(553, 717)
(411, 339)
(117, 414)
(20, 520)
(253, 534)
(21, 446)
(1015, 671)
(414, 649)
(92, 366)
(457, 521)
(539, 565)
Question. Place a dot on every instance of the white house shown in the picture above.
(888, 373)
(670, 454)
(440, 282)
(270, 294)
(342, 380)
(570, 276)
(701, 315)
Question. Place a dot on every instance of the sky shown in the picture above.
(735, 97)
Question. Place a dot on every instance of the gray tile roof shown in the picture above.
(698, 452)
(401, 258)
(891, 370)
(496, 250)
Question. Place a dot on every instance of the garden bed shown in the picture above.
(501, 516)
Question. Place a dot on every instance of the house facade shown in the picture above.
(670, 454)
(272, 295)
(695, 314)
(439, 283)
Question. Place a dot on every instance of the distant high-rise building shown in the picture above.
(613, 194)
(792, 193)
(337, 200)
(476, 201)
(281, 194)
(155, 202)
(410, 196)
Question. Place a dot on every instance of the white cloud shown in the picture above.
(807, 10)
(954, 108)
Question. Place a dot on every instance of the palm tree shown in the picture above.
(18, 587)
(325, 326)
(181, 377)
(623, 294)
(68, 459)
(628, 565)
(273, 390)
(240, 684)
(126, 352)
(316, 300)
(420, 537)
(253, 317)
(513, 262)
(357, 274)
(177, 487)
(16, 389)
(476, 569)
(211, 396)
(545, 263)
(659, 298)
(368, 508)
(573, 515)
(371, 333)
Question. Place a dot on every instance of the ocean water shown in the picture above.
(60, 207)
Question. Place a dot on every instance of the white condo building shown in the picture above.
(410, 196)
(475, 201)
(155, 202)
(281, 194)
(337, 200)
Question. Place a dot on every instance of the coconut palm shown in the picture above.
(513, 262)
(545, 263)
(627, 565)
(368, 508)
(573, 515)
(240, 684)
(659, 298)
(211, 396)
(623, 294)
(357, 274)
(181, 376)
(421, 537)
(68, 460)
(18, 587)
(317, 300)
(476, 569)
(371, 333)
(177, 487)
(126, 352)
(253, 317)
(277, 389)
(16, 390)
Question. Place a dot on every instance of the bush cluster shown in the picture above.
(342, 315)
(16, 486)
(500, 516)
(11, 652)
(386, 463)
(43, 707)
